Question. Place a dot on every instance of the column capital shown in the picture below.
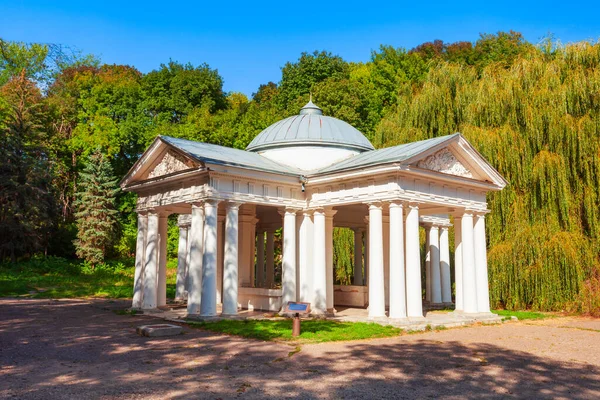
(412, 205)
(375, 205)
(184, 220)
(330, 212)
(396, 204)
(289, 211)
(307, 213)
(444, 228)
(199, 203)
(233, 205)
(211, 202)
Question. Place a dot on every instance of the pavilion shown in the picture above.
(308, 174)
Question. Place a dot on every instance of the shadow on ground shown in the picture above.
(78, 349)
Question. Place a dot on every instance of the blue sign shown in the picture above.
(297, 307)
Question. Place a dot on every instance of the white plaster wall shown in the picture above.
(308, 157)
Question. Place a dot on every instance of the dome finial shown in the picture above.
(310, 108)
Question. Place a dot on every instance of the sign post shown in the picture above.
(296, 309)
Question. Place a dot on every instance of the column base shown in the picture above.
(416, 319)
(398, 321)
(383, 318)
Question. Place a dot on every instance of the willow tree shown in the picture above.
(538, 122)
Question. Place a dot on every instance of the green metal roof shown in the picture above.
(393, 154)
(308, 128)
(205, 152)
(212, 153)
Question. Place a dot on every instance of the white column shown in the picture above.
(445, 266)
(221, 255)
(458, 276)
(436, 277)
(208, 305)
(468, 264)
(140, 249)
(187, 260)
(397, 276)
(366, 255)
(196, 239)
(230, 261)
(481, 269)
(150, 297)
(260, 259)
(288, 266)
(376, 283)
(414, 299)
(270, 259)
(305, 258)
(358, 256)
(329, 213)
(386, 259)
(427, 265)
(319, 303)
(162, 260)
(181, 263)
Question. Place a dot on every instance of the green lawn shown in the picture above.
(522, 315)
(60, 278)
(312, 331)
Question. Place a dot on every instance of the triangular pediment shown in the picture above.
(445, 161)
(456, 157)
(160, 160)
(170, 163)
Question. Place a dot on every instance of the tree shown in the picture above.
(298, 79)
(96, 214)
(26, 202)
(18, 57)
(175, 90)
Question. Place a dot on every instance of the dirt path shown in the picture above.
(82, 350)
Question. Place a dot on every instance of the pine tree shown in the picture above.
(96, 213)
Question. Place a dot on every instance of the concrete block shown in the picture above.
(159, 330)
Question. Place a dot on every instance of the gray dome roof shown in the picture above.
(310, 127)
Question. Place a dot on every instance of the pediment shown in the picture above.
(170, 163)
(160, 159)
(445, 161)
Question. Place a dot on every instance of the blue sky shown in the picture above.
(249, 42)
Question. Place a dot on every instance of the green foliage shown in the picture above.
(175, 90)
(26, 204)
(533, 112)
(96, 214)
(343, 255)
(312, 331)
(18, 57)
(299, 78)
(537, 123)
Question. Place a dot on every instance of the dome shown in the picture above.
(310, 128)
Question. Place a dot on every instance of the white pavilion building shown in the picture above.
(308, 174)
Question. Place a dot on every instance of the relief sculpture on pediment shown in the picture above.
(170, 163)
(445, 162)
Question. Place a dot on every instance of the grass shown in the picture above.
(55, 277)
(312, 331)
(522, 315)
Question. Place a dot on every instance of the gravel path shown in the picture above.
(76, 349)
